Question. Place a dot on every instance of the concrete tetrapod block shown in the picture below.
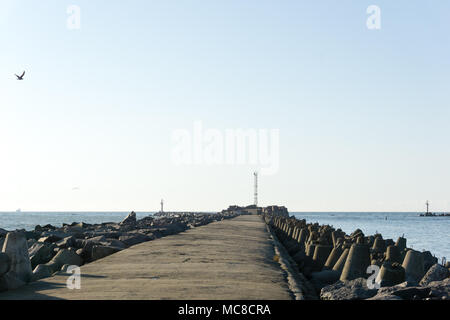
(303, 236)
(401, 243)
(357, 262)
(393, 254)
(310, 248)
(379, 245)
(295, 234)
(390, 274)
(289, 232)
(414, 265)
(321, 253)
(339, 265)
(16, 248)
(333, 257)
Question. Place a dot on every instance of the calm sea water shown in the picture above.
(28, 220)
(423, 233)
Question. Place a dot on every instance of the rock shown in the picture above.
(412, 293)
(435, 273)
(114, 243)
(132, 239)
(65, 267)
(95, 240)
(41, 253)
(63, 257)
(99, 252)
(10, 281)
(5, 263)
(130, 219)
(3, 233)
(30, 242)
(50, 239)
(16, 248)
(324, 278)
(385, 296)
(348, 290)
(41, 271)
(428, 260)
(67, 242)
(32, 235)
(440, 289)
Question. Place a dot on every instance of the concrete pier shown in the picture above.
(230, 259)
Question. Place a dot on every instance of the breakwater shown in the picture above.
(28, 256)
(340, 265)
(230, 259)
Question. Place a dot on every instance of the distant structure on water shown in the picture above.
(252, 209)
(430, 214)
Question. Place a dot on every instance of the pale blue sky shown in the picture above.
(363, 114)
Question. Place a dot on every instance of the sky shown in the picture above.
(361, 114)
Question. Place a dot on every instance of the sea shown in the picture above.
(422, 233)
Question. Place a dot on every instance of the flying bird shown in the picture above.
(20, 77)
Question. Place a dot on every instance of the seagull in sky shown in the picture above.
(20, 77)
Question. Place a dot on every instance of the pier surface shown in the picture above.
(230, 259)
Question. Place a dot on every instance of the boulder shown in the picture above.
(440, 289)
(40, 253)
(11, 281)
(30, 242)
(435, 273)
(50, 239)
(66, 242)
(324, 278)
(412, 293)
(84, 254)
(3, 233)
(428, 260)
(132, 239)
(16, 248)
(64, 256)
(41, 271)
(5, 263)
(385, 296)
(114, 243)
(348, 290)
(94, 240)
(99, 252)
(130, 219)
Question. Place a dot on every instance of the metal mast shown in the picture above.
(428, 204)
(162, 205)
(256, 188)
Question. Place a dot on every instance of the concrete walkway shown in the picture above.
(231, 259)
